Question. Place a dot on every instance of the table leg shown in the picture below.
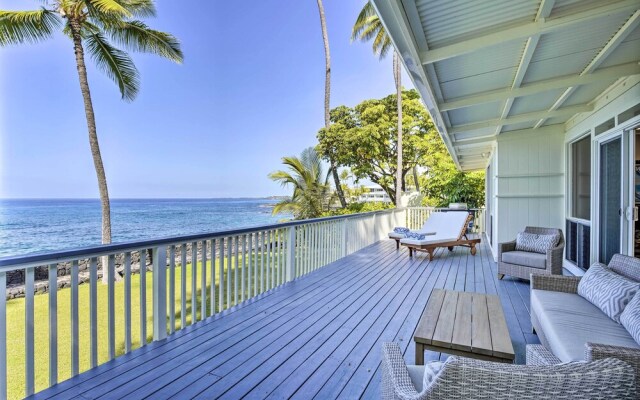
(419, 354)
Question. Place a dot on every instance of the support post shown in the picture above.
(291, 254)
(160, 293)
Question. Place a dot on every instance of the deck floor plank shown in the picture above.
(318, 336)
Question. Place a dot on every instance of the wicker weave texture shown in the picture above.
(537, 354)
(464, 378)
(566, 284)
(554, 256)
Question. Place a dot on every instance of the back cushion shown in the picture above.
(535, 243)
(625, 266)
(607, 290)
(630, 318)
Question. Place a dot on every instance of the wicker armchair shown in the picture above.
(465, 378)
(553, 261)
(593, 351)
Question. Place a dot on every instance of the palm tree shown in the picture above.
(368, 26)
(327, 98)
(311, 195)
(89, 23)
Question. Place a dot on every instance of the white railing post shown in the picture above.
(160, 293)
(3, 335)
(291, 254)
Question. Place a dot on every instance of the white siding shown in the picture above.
(529, 183)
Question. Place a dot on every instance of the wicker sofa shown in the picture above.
(522, 264)
(572, 329)
(464, 378)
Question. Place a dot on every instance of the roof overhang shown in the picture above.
(484, 68)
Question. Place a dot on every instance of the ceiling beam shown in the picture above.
(543, 13)
(604, 74)
(628, 27)
(524, 31)
(516, 119)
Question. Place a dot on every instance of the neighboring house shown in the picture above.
(544, 96)
(374, 193)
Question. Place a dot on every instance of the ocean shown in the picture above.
(29, 226)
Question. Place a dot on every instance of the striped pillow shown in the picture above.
(535, 243)
(401, 230)
(607, 290)
(630, 318)
(414, 235)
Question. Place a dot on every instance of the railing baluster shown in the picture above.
(243, 274)
(270, 259)
(29, 294)
(203, 281)
(221, 273)
(111, 300)
(183, 285)
(75, 351)
(143, 297)
(212, 289)
(262, 262)
(127, 302)
(194, 282)
(256, 276)
(3, 335)
(93, 309)
(229, 248)
(53, 324)
(235, 269)
(172, 289)
(249, 263)
(159, 257)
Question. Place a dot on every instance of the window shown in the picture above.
(581, 178)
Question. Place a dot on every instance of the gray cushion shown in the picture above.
(416, 373)
(626, 266)
(533, 260)
(536, 243)
(607, 290)
(630, 318)
(568, 321)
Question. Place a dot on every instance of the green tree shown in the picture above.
(327, 100)
(364, 139)
(311, 192)
(367, 27)
(90, 24)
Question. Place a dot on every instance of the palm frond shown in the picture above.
(18, 27)
(362, 20)
(139, 8)
(108, 7)
(381, 43)
(137, 36)
(367, 27)
(115, 63)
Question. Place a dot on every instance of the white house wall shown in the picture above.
(529, 183)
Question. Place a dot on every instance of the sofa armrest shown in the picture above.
(505, 247)
(555, 283)
(396, 383)
(597, 351)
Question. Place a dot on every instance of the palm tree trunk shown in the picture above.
(327, 98)
(415, 178)
(399, 177)
(74, 26)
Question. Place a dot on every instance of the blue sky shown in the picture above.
(250, 91)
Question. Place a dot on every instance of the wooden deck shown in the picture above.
(316, 337)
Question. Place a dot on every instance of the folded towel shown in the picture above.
(415, 235)
(401, 230)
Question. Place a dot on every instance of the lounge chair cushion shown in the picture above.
(607, 290)
(569, 321)
(446, 225)
(434, 239)
(525, 258)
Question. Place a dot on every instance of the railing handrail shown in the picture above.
(43, 258)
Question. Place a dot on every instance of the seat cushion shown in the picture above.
(607, 290)
(433, 239)
(568, 321)
(533, 260)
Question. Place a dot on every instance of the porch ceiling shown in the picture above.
(488, 67)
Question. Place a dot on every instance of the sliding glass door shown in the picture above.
(611, 198)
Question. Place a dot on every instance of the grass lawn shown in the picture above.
(16, 326)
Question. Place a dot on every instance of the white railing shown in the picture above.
(416, 216)
(192, 278)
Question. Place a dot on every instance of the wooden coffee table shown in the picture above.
(465, 324)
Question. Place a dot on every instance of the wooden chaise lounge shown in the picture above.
(450, 231)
